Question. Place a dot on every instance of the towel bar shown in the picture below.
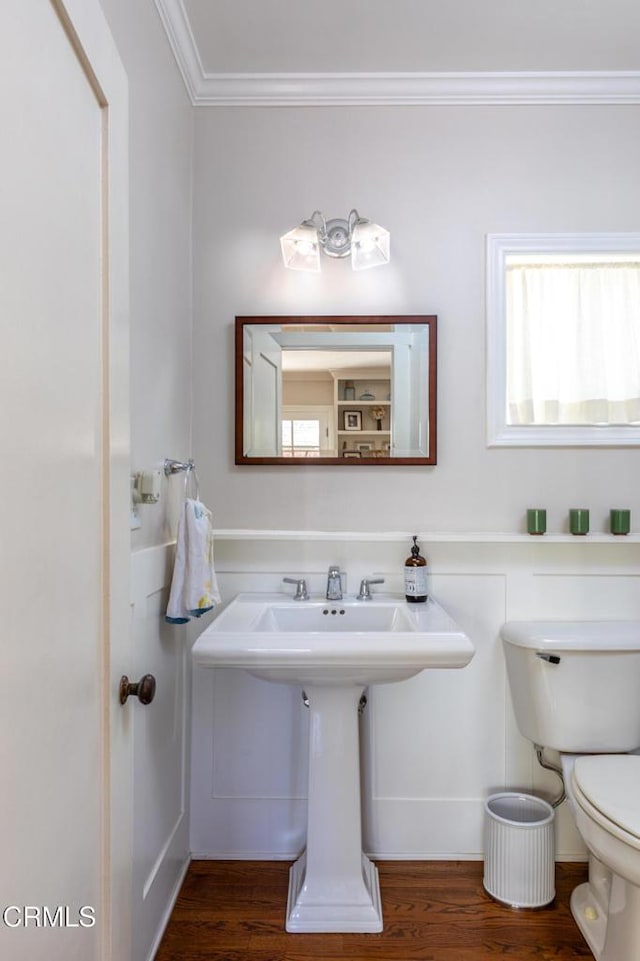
(176, 466)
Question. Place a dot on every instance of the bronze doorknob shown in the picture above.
(144, 690)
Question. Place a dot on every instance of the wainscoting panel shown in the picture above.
(437, 741)
(432, 748)
(243, 753)
(249, 771)
(161, 743)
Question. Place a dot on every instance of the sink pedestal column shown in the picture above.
(334, 886)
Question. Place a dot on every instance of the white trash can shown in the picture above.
(519, 855)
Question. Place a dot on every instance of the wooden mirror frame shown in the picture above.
(428, 320)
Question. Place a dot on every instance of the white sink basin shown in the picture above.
(343, 616)
(348, 641)
(334, 649)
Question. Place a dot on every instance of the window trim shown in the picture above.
(499, 433)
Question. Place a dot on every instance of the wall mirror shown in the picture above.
(336, 390)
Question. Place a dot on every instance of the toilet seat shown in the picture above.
(607, 786)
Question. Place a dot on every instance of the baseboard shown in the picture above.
(387, 856)
(169, 908)
(244, 856)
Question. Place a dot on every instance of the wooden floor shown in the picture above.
(433, 911)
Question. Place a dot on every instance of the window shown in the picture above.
(306, 431)
(563, 339)
(300, 438)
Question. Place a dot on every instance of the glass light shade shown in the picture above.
(300, 248)
(369, 245)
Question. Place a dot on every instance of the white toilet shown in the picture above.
(575, 687)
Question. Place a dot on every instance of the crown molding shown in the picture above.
(438, 89)
(379, 89)
(183, 44)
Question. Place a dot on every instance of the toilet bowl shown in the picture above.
(574, 688)
(604, 794)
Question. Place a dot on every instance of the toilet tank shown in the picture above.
(575, 685)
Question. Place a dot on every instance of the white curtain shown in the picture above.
(573, 343)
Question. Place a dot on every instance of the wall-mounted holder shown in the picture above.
(188, 467)
(177, 466)
(147, 486)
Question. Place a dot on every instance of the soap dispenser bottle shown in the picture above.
(415, 575)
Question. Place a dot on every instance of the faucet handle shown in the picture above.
(365, 584)
(302, 593)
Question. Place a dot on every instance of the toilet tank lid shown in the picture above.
(573, 635)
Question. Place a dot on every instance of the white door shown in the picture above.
(65, 792)
(267, 395)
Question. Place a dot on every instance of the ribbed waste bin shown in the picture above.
(519, 862)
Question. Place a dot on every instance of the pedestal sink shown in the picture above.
(333, 649)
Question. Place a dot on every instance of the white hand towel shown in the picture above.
(194, 589)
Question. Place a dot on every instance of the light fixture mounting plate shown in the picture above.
(338, 238)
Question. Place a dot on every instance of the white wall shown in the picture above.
(160, 170)
(161, 142)
(440, 179)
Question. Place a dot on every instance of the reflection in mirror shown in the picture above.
(336, 390)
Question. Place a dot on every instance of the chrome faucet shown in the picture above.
(334, 584)
(302, 594)
(365, 584)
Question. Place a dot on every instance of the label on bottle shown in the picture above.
(415, 581)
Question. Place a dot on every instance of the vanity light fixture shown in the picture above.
(368, 243)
